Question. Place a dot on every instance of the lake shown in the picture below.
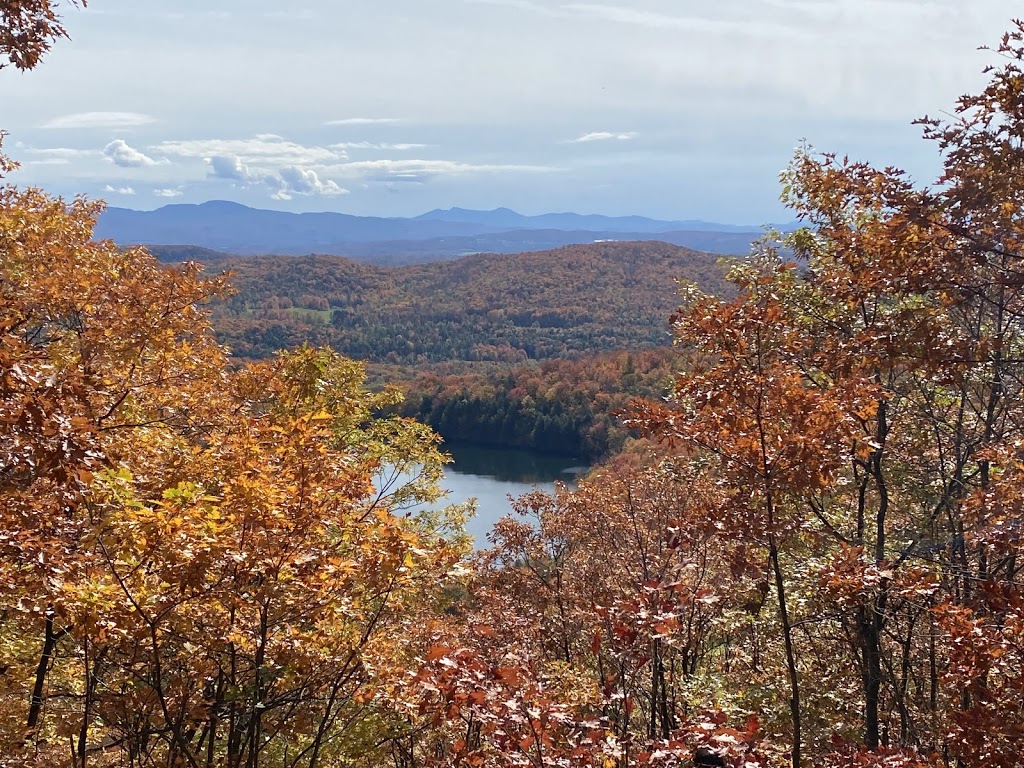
(491, 475)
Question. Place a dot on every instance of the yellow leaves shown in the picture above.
(322, 416)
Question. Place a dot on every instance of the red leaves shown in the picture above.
(710, 735)
(509, 676)
(517, 713)
(986, 663)
(853, 419)
(884, 757)
(437, 652)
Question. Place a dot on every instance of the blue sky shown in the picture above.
(665, 108)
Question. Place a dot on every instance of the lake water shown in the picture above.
(491, 475)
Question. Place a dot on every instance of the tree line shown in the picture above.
(571, 407)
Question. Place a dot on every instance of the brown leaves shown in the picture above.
(27, 30)
(709, 738)
(750, 401)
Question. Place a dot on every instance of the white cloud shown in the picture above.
(265, 148)
(655, 20)
(364, 121)
(302, 181)
(283, 184)
(627, 15)
(603, 136)
(526, 5)
(64, 153)
(119, 190)
(651, 19)
(100, 120)
(282, 167)
(121, 154)
(55, 155)
(192, 16)
(372, 145)
(167, 192)
(421, 170)
(231, 168)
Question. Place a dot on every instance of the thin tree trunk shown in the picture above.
(92, 677)
(872, 672)
(871, 617)
(787, 636)
(50, 639)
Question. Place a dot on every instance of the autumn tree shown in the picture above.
(199, 564)
(587, 632)
(861, 406)
(95, 342)
(279, 568)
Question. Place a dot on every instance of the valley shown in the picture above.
(516, 351)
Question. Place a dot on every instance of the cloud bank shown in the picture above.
(283, 183)
(84, 120)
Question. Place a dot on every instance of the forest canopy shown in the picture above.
(566, 303)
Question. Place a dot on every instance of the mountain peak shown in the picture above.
(223, 205)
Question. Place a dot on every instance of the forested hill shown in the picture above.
(567, 302)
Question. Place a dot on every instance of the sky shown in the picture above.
(674, 109)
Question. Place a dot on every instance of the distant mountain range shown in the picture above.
(505, 218)
(232, 228)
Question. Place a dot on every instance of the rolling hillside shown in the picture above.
(563, 303)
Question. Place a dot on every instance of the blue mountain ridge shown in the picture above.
(234, 228)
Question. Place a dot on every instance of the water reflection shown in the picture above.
(492, 475)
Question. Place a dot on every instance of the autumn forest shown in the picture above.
(800, 547)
